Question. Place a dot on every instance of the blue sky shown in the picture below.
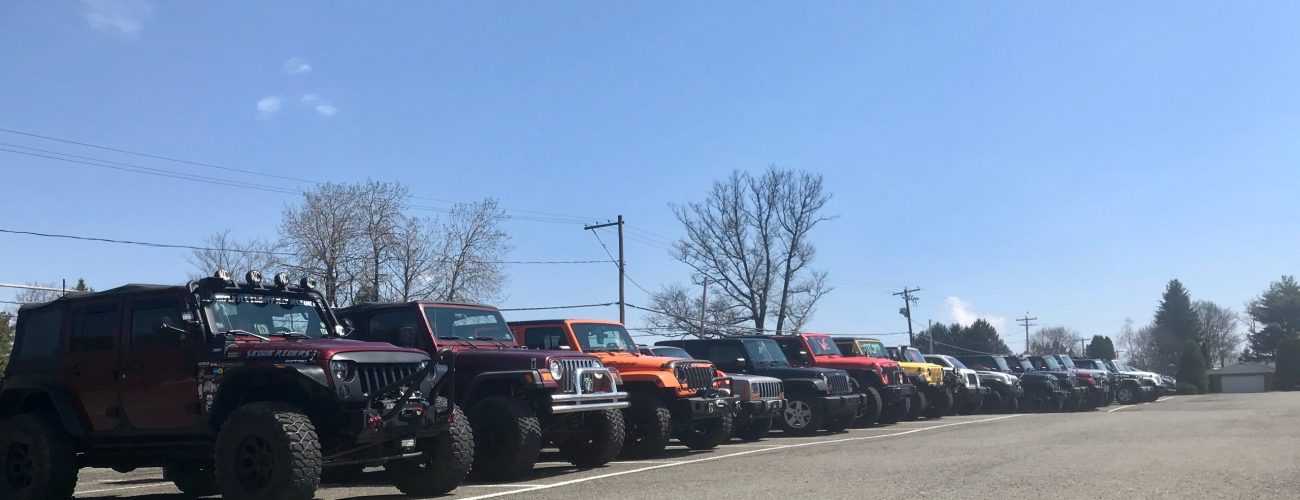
(1062, 159)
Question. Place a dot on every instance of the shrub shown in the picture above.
(1287, 373)
(1216, 384)
(1191, 368)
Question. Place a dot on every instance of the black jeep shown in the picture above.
(1040, 391)
(1078, 397)
(816, 398)
(247, 390)
(762, 399)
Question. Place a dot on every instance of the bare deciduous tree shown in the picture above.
(1218, 332)
(380, 216)
(414, 260)
(721, 318)
(1139, 345)
(224, 252)
(471, 242)
(750, 236)
(1054, 340)
(325, 232)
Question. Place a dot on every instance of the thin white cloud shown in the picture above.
(296, 66)
(269, 106)
(322, 106)
(964, 314)
(119, 17)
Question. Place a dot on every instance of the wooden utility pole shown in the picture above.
(704, 303)
(622, 304)
(907, 311)
(929, 332)
(1025, 322)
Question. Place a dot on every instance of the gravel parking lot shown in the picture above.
(1212, 446)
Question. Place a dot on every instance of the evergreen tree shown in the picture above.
(81, 286)
(1287, 373)
(1191, 368)
(6, 338)
(1276, 315)
(1176, 324)
(1100, 347)
(980, 337)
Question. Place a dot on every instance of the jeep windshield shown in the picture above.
(914, 356)
(264, 316)
(765, 353)
(1045, 363)
(469, 323)
(822, 346)
(1066, 362)
(669, 352)
(956, 363)
(872, 349)
(596, 337)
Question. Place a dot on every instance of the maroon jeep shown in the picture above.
(240, 389)
(517, 399)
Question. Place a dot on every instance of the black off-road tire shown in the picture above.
(446, 462)
(870, 415)
(38, 460)
(753, 429)
(1127, 394)
(973, 406)
(194, 478)
(993, 403)
(603, 440)
(708, 433)
(940, 404)
(918, 406)
(507, 438)
(649, 426)
(896, 411)
(1011, 405)
(802, 415)
(268, 451)
(839, 424)
(342, 474)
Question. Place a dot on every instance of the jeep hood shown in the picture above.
(635, 362)
(855, 363)
(789, 372)
(286, 348)
(512, 359)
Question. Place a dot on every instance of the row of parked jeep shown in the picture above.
(257, 389)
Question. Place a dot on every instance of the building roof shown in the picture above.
(1244, 368)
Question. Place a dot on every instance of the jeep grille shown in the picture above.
(839, 383)
(376, 376)
(897, 376)
(696, 376)
(571, 366)
(766, 389)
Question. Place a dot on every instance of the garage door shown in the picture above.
(1243, 383)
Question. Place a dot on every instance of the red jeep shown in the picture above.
(889, 394)
(240, 389)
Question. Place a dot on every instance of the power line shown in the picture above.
(578, 306)
(261, 252)
(172, 174)
(907, 310)
(967, 350)
(1025, 321)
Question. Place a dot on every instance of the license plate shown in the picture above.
(408, 443)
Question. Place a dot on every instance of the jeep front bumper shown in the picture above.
(893, 393)
(761, 408)
(587, 395)
(973, 394)
(847, 404)
(701, 408)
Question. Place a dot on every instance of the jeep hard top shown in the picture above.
(241, 389)
(816, 398)
(880, 377)
(968, 392)
(517, 399)
(686, 398)
(762, 398)
(929, 400)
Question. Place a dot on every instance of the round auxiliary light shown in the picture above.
(281, 279)
(308, 283)
(253, 278)
(222, 275)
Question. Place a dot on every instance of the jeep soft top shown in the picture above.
(218, 382)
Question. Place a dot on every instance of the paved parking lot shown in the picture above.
(1212, 446)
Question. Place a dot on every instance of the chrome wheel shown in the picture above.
(798, 414)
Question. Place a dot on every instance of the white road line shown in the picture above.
(501, 485)
(636, 462)
(1166, 398)
(729, 455)
(1118, 408)
(138, 486)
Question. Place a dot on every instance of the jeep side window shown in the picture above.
(545, 337)
(38, 333)
(791, 350)
(146, 320)
(388, 327)
(94, 329)
(725, 356)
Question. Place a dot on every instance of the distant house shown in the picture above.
(1244, 377)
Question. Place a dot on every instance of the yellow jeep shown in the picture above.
(935, 400)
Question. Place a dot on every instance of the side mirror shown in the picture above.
(406, 336)
(347, 328)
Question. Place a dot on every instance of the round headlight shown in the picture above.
(557, 369)
(343, 370)
(824, 377)
(595, 363)
(423, 365)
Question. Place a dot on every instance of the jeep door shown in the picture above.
(91, 368)
(160, 386)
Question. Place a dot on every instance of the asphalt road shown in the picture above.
(1213, 446)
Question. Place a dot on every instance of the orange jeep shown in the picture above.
(686, 398)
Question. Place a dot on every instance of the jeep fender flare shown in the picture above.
(19, 399)
(508, 383)
(867, 378)
(661, 379)
(293, 382)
